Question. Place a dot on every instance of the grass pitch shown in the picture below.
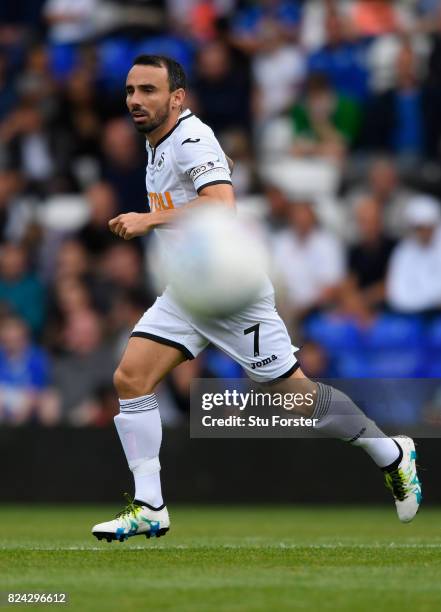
(228, 559)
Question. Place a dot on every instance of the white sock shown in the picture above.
(384, 451)
(140, 431)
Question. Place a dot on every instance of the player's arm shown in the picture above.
(131, 225)
(211, 178)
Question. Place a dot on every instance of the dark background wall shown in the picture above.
(87, 465)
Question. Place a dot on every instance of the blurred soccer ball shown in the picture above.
(216, 265)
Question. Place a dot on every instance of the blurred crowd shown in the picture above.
(330, 110)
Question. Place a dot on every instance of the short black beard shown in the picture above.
(159, 119)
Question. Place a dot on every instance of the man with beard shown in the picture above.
(186, 168)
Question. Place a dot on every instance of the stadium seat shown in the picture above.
(379, 363)
(334, 333)
(115, 57)
(394, 332)
(63, 59)
(171, 46)
(432, 363)
(433, 334)
(395, 363)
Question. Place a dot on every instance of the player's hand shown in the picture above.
(130, 225)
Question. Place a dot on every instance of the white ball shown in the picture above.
(217, 264)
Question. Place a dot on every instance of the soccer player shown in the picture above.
(186, 167)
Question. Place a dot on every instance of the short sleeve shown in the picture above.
(203, 160)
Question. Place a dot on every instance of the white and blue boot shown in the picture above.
(137, 518)
(402, 479)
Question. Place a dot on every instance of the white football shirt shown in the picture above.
(183, 162)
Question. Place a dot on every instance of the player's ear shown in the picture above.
(178, 97)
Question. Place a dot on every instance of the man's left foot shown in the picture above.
(402, 479)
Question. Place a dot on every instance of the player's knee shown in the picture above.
(130, 384)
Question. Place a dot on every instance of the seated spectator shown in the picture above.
(71, 261)
(95, 236)
(123, 165)
(25, 393)
(385, 187)
(432, 85)
(250, 21)
(342, 59)
(368, 258)
(70, 22)
(308, 261)
(30, 145)
(9, 215)
(216, 76)
(20, 289)
(276, 89)
(377, 17)
(314, 360)
(122, 266)
(127, 309)
(325, 124)
(396, 120)
(278, 206)
(83, 374)
(8, 92)
(414, 279)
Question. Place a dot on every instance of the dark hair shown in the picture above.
(176, 74)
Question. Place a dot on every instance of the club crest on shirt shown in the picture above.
(160, 164)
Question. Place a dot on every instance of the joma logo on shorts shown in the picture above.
(264, 362)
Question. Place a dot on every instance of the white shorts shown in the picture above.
(256, 337)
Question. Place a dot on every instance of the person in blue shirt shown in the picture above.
(25, 393)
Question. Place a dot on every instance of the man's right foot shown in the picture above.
(137, 518)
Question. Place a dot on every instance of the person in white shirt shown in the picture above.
(414, 274)
(186, 168)
(309, 260)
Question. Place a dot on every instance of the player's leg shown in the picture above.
(258, 339)
(339, 417)
(162, 339)
(144, 364)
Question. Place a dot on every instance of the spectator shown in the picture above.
(122, 266)
(95, 236)
(251, 22)
(217, 75)
(25, 393)
(83, 374)
(278, 205)
(70, 22)
(276, 89)
(377, 17)
(72, 261)
(396, 120)
(325, 124)
(20, 289)
(127, 309)
(8, 93)
(413, 280)
(309, 262)
(314, 360)
(9, 188)
(123, 165)
(342, 59)
(368, 258)
(385, 187)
